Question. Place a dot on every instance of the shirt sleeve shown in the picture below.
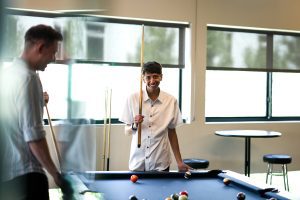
(177, 119)
(31, 109)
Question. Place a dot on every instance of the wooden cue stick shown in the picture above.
(53, 137)
(104, 130)
(141, 88)
(108, 131)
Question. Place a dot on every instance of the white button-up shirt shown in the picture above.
(21, 108)
(159, 116)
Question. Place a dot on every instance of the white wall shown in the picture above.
(197, 139)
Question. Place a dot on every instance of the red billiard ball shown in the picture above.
(226, 181)
(184, 193)
(134, 178)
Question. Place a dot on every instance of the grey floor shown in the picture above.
(277, 181)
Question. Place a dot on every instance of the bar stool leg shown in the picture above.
(268, 173)
(285, 176)
(271, 174)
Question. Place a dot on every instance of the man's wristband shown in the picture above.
(133, 127)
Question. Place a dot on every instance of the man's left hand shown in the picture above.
(182, 167)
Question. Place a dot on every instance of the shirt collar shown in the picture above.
(160, 97)
(19, 62)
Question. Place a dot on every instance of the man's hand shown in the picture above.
(46, 97)
(138, 119)
(65, 185)
(182, 167)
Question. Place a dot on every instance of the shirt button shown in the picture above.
(147, 147)
(150, 115)
(148, 136)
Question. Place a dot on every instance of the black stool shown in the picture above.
(281, 159)
(196, 163)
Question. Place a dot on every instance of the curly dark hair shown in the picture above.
(152, 67)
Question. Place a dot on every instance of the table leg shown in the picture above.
(247, 156)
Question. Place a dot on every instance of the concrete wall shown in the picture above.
(197, 139)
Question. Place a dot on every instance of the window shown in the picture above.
(95, 40)
(235, 94)
(105, 55)
(252, 75)
(285, 98)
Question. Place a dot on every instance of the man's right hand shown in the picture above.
(65, 185)
(138, 119)
(46, 97)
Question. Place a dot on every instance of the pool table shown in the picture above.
(116, 185)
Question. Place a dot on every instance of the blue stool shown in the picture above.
(196, 163)
(281, 159)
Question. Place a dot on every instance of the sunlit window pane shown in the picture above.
(88, 86)
(236, 49)
(55, 83)
(235, 94)
(162, 45)
(286, 98)
(286, 52)
(115, 42)
(170, 81)
(14, 30)
(89, 83)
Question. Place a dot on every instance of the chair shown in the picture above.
(196, 163)
(281, 159)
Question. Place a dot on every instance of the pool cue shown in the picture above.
(104, 130)
(108, 131)
(53, 137)
(141, 89)
(52, 131)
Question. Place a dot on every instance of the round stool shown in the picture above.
(281, 159)
(196, 163)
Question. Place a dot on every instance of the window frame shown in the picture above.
(109, 19)
(269, 70)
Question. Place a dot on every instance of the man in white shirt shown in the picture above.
(25, 150)
(160, 116)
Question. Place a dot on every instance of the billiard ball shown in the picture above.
(226, 181)
(187, 174)
(241, 196)
(184, 193)
(133, 197)
(174, 196)
(168, 198)
(272, 198)
(134, 178)
(182, 197)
